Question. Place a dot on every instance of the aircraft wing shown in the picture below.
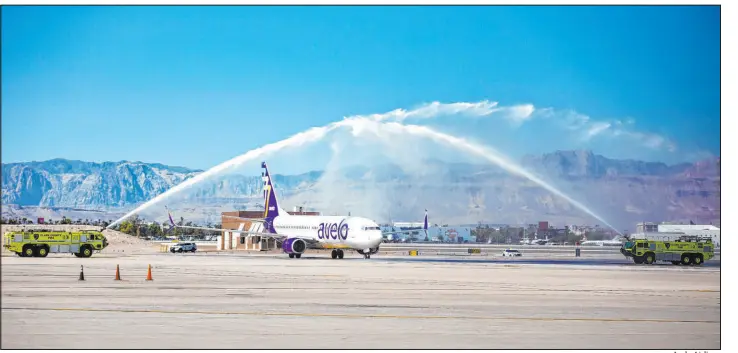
(312, 243)
(173, 225)
(259, 220)
(232, 231)
(309, 241)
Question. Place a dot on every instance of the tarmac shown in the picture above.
(208, 301)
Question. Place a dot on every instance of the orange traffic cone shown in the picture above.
(117, 273)
(148, 277)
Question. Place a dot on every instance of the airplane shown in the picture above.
(299, 232)
(537, 241)
(617, 241)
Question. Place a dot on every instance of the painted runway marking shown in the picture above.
(703, 290)
(363, 316)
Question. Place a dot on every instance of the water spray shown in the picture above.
(308, 136)
(378, 124)
(480, 150)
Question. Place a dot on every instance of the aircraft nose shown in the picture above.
(376, 237)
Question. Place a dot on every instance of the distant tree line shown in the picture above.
(64, 220)
(513, 235)
(133, 226)
(137, 227)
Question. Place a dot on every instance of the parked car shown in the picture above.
(511, 252)
(183, 247)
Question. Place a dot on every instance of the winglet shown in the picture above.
(425, 222)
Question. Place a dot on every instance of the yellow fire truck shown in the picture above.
(687, 250)
(41, 243)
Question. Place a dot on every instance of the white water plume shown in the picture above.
(380, 126)
(360, 126)
(308, 136)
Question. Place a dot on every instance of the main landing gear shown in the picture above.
(337, 254)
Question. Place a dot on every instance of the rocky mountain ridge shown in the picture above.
(621, 190)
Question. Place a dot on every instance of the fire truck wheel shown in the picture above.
(697, 259)
(28, 251)
(42, 251)
(649, 258)
(86, 251)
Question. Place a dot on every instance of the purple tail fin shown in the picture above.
(171, 221)
(271, 208)
(425, 224)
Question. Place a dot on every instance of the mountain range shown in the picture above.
(619, 192)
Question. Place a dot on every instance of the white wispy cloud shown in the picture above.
(596, 128)
(588, 129)
(654, 141)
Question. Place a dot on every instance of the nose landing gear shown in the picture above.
(368, 252)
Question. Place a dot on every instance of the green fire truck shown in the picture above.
(42, 242)
(687, 250)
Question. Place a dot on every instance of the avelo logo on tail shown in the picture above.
(333, 230)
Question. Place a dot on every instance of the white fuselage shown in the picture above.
(602, 242)
(331, 232)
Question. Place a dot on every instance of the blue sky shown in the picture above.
(194, 86)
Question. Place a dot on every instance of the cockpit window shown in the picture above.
(370, 228)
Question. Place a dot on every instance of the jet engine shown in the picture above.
(294, 246)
